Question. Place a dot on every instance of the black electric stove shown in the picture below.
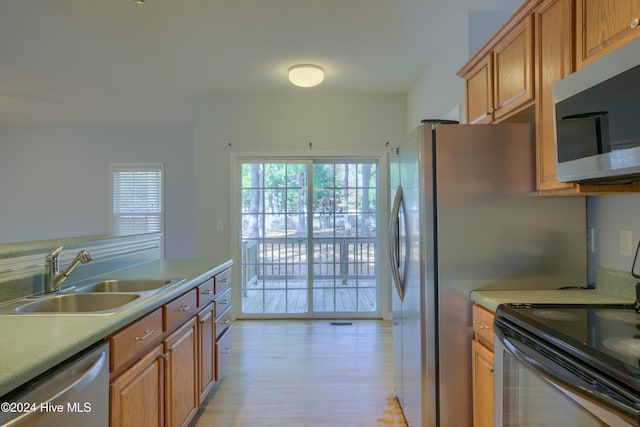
(603, 336)
(593, 349)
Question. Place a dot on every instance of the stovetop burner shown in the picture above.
(624, 316)
(627, 346)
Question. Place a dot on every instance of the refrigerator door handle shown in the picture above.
(394, 243)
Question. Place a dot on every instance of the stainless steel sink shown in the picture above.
(127, 285)
(76, 303)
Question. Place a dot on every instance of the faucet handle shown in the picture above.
(54, 253)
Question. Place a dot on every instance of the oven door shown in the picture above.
(529, 393)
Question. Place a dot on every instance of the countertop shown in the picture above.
(32, 344)
(492, 299)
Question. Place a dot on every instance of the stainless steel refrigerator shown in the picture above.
(466, 217)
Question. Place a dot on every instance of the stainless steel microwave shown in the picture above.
(597, 120)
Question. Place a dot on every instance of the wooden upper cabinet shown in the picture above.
(499, 77)
(604, 25)
(480, 92)
(554, 61)
(513, 70)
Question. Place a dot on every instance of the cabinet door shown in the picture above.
(224, 351)
(554, 61)
(181, 366)
(604, 25)
(136, 396)
(482, 371)
(479, 84)
(513, 70)
(206, 331)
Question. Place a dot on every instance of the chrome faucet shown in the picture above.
(53, 278)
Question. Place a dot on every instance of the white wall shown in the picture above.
(54, 180)
(279, 123)
(608, 215)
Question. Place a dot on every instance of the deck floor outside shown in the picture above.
(278, 297)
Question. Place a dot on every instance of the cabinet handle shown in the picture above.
(147, 334)
(490, 369)
(204, 319)
(224, 280)
(165, 356)
(207, 292)
(480, 325)
(226, 351)
(223, 301)
(184, 307)
(634, 23)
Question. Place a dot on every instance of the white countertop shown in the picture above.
(32, 344)
(492, 299)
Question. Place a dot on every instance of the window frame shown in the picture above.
(113, 167)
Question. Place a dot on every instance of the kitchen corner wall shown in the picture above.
(279, 123)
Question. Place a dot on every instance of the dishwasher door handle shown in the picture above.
(74, 383)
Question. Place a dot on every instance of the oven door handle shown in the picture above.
(614, 413)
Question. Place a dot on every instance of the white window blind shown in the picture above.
(137, 199)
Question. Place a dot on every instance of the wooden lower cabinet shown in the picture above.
(137, 395)
(482, 367)
(224, 351)
(482, 371)
(181, 374)
(206, 344)
(164, 365)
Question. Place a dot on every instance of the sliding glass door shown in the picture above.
(309, 240)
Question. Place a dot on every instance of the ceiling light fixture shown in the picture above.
(306, 75)
(139, 1)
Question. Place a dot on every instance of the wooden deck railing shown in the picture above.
(280, 258)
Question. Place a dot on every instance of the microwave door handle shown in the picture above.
(586, 115)
(394, 243)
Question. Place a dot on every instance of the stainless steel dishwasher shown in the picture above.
(74, 393)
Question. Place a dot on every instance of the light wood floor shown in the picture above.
(306, 373)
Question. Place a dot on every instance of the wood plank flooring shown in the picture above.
(306, 373)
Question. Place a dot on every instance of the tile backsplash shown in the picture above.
(616, 282)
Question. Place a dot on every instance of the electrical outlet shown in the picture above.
(626, 239)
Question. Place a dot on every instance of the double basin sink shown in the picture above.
(100, 297)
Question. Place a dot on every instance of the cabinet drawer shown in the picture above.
(223, 301)
(223, 321)
(205, 293)
(135, 338)
(222, 281)
(180, 309)
(483, 324)
(224, 349)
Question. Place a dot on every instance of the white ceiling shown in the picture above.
(115, 61)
